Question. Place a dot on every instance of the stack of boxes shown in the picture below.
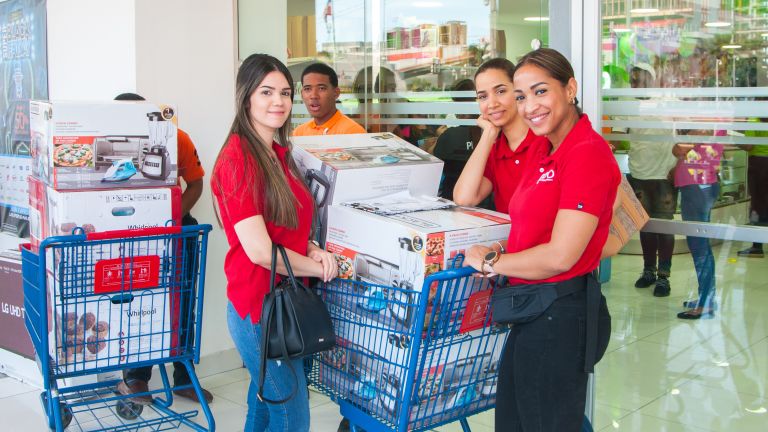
(388, 257)
(101, 167)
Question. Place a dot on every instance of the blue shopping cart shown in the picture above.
(411, 359)
(102, 302)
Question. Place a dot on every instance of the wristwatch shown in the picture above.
(490, 259)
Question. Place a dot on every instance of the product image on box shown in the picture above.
(387, 266)
(103, 145)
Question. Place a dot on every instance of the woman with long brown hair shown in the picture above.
(560, 215)
(261, 199)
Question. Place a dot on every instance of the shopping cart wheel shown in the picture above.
(66, 414)
(128, 410)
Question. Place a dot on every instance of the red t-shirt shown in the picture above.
(248, 283)
(505, 167)
(581, 174)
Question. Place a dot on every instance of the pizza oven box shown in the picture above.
(103, 145)
(454, 379)
(110, 328)
(399, 251)
(362, 166)
(54, 212)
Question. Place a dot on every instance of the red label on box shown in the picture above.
(126, 274)
(476, 311)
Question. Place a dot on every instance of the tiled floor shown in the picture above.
(659, 374)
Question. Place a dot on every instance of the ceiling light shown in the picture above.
(621, 30)
(718, 24)
(536, 19)
(731, 46)
(764, 34)
(644, 10)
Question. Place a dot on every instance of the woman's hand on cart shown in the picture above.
(326, 260)
(475, 258)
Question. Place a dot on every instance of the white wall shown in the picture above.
(186, 55)
(263, 27)
(91, 49)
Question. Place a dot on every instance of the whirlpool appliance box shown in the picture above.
(107, 327)
(400, 250)
(80, 145)
(341, 168)
(55, 212)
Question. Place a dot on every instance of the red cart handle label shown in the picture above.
(121, 274)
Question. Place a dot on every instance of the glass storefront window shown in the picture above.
(399, 61)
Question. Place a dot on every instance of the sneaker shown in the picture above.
(647, 278)
(751, 252)
(662, 287)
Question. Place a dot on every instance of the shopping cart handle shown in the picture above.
(145, 232)
(450, 274)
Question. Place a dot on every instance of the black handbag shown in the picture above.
(294, 323)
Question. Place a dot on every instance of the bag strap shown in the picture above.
(278, 306)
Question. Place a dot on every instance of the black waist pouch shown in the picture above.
(524, 303)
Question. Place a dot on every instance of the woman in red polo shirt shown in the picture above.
(500, 155)
(560, 215)
(261, 199)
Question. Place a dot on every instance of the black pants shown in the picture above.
(186, 318)
(659, 199)
(542, 384)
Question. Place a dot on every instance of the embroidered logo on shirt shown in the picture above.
(547, 176)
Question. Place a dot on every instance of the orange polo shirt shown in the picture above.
(338, 124)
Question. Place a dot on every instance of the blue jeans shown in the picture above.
(291, 416)
(695, 205)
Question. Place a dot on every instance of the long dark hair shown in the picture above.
(555, 64)
(263, 174)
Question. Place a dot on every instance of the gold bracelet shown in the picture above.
(501, 247)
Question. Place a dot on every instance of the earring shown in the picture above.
(573, 101)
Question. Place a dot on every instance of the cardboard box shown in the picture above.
(78, 145)
(461, 376)
(14, 336)
(399, 251)
(55, 212)
(98, 329)
(351, 167)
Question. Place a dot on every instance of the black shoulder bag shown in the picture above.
(294, 323)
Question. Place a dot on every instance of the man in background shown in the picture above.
(191, 170)
(319, 91)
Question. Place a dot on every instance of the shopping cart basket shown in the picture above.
(102, 302)
(411, 360)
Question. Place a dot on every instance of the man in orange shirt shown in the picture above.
(191, 170)
(319, 91)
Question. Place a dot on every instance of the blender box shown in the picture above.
(389, 256)
(105, 328)
(341, 168)
(54, 212)
(103, 145)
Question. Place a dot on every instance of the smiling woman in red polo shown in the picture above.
(560, 215)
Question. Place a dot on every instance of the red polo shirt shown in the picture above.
(581, 174)
(504, 168)
(248, 283)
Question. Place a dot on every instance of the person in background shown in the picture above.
(560, 216)
(696, 176)
(259, 199)
(319, 91)
(502, 152)
(757, 180)
(135, 381)
(650, 163)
